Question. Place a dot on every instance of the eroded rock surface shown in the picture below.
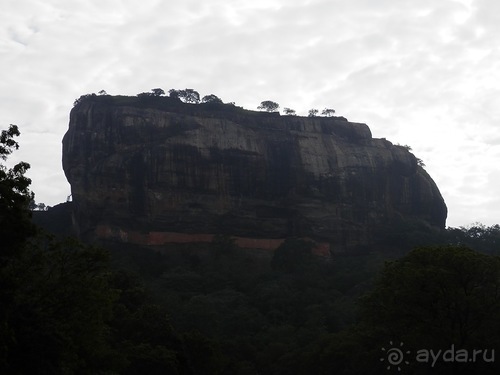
(167, 166)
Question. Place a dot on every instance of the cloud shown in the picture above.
(422, 73)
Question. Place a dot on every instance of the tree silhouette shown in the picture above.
(211, 99)
(173, 93)
(313, 112)
(186, 95)
(158, 92)
(328, 112)
(268, 105)
(15, 197)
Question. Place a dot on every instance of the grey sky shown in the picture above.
(419, 72)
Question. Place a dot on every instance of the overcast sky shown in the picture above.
(424, 73)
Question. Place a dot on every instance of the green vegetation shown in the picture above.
(53, 296)
(83, 98)
(154, 93)
(436, 296)
(420, 162)
(328, 112)
(313, 112)
(254, 313)
(186, 95)
(441, 298)
(158, 92)
(211, 99)
(297, 314)
(269, 106)
(15, 197)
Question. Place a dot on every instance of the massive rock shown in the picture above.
(141, 168)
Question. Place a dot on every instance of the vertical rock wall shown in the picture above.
(185, 168)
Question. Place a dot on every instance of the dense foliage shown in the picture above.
(257, 313)
(269, 106)
(14, 197)
(297, 314)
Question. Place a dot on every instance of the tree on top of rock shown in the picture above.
(328, 112)
(211, 99)
(186, 95)
(173, 93)
(269, 106)
(313, 112)
(190, 96)
(158, 92)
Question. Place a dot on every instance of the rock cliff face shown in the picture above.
(138, 167)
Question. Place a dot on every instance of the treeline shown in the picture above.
(191, 96)
(405, 235)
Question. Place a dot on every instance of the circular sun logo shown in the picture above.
(394, 356)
